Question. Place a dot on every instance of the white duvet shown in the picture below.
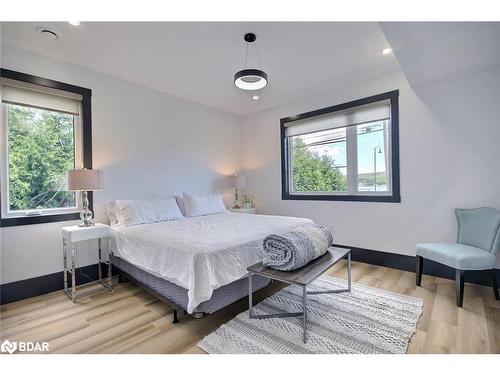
(200, 253)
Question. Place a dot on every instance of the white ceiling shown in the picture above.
(428, 51)
(196, 61)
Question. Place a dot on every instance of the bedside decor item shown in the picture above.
(85, 180)
(237, 182)
(250, 79)
(246, 201)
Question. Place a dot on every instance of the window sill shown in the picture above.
(347, 198)
(28, 220)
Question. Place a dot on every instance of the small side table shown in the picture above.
(72, 235)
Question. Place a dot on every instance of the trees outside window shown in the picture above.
(312, 171)
(40, 151)
(346, 152)
(45, 131)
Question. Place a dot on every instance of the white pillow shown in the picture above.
(133, 212)
(198, 205)
(167, 209)
(180, 202)
(110, 210)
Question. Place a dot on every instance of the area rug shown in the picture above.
(367, 320)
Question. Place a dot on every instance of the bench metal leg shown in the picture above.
(251, 315)
(250, 293)
(304, 309)
(349, 282)
(349, 272)
(302, 313)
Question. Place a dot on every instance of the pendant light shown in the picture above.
(250, 79)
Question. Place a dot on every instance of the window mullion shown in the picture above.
(352, 159)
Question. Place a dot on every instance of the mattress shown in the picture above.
(200, 254)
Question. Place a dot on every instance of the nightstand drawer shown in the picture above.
(76, 233)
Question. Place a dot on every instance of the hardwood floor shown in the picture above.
(130, 320)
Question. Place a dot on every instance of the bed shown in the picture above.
(198, 264)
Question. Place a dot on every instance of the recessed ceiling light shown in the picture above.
(255, 97)
(386, 51)
(48, 33)
(74, 23)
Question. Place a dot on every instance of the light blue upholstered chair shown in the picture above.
(477, 244)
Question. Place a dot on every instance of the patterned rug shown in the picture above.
(367, 320)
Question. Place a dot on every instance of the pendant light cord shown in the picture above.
(258, 56)
(246, 56)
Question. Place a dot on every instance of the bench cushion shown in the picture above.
(462, 257)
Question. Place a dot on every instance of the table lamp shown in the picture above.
(237, 182)
(85, 180)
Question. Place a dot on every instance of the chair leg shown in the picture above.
(494, 284)
(420, 269)
(459, 278)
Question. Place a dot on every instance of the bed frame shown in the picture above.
(177, 297)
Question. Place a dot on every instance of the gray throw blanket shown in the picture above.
(294, 249)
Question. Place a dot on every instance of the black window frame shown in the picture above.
(86, 121)
(394, 197)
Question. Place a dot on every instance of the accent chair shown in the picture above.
(478, 242)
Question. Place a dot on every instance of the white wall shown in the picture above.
(148, 144)
(151, 144)
(449, 151)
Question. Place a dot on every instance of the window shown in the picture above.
(345, 152)
(45, 131)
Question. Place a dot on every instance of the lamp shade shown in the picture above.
(85, 179)
(237, 181)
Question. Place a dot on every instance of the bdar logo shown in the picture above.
(8, 346)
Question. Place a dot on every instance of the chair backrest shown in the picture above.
(479, 227)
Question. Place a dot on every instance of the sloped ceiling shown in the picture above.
(429, 51)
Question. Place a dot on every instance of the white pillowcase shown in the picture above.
(110, 210)
(168, 209)
(198, 205)
(136, 212)
(133, 212)
(180, 202)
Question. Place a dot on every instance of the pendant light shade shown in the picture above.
(250, 79)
